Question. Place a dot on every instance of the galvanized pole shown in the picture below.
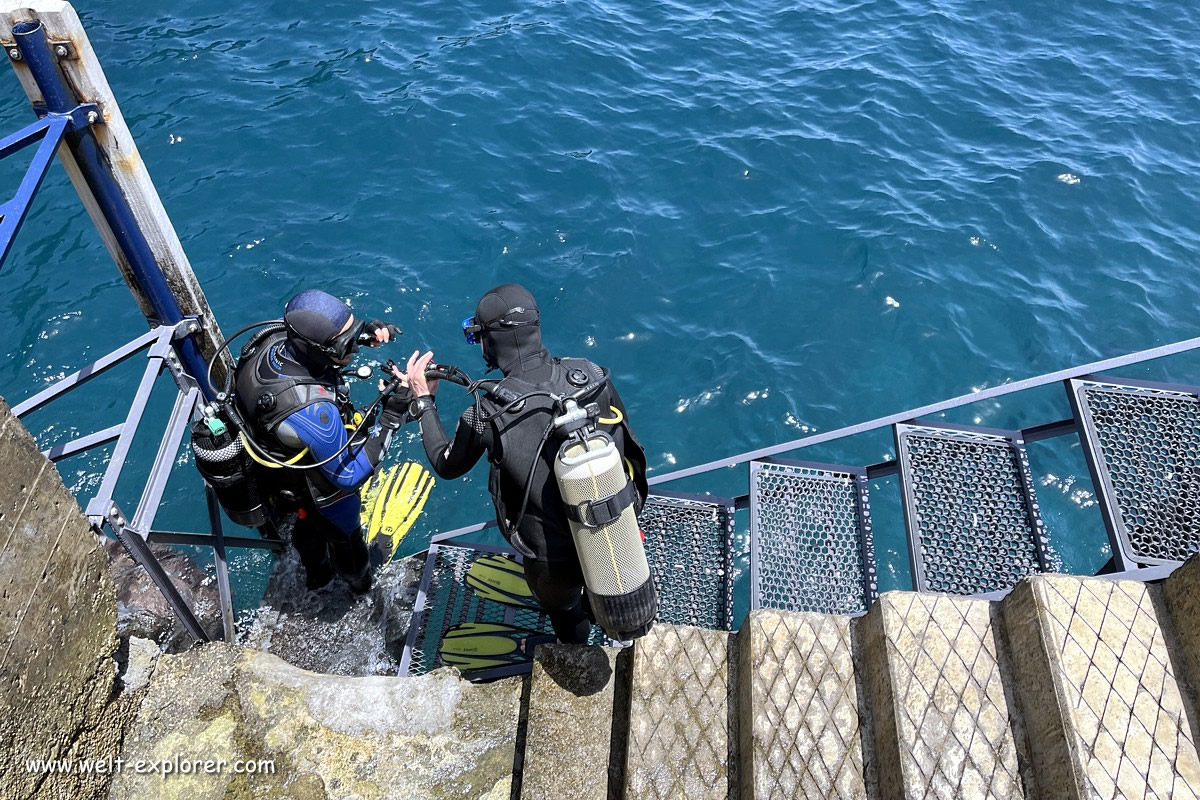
(54, 60)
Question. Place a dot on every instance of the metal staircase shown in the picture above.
(967, 497)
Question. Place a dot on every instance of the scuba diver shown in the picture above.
(516, 437)
(294, 402)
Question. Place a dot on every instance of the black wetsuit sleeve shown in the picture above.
(452, 458)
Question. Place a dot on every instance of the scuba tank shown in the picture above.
(599, 499)
(600, 510)
(222, 460)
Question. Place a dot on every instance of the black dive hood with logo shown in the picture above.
(512, 333)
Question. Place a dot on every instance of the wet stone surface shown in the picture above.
(568, 745)
(325, 736)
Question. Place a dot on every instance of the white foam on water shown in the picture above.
(331, 630)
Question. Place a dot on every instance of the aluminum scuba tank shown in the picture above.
(222, 460)
(600, 508)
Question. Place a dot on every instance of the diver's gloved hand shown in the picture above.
(395, 409)
(381, 332)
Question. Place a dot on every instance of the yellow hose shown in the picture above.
(270, 464)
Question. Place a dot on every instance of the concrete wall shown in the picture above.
(57, 628)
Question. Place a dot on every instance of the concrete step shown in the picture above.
(801, 707)
(1069, 688)
(570, 731)
(1107, 712)
(944, 721)
(682, 728)
(1182, 591)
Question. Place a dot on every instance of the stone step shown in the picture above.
(1069, 688)
(1107, 713)
(570, 728)
(682, 728)
(801, 708)
(944, 722)
(1182, 592)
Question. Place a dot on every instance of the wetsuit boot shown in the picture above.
(558, 587)
(350, 559)
(310, 542)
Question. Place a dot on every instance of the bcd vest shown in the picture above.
(268, 390)
(524, 444)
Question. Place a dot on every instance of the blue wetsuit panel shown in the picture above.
(321, 429)
(344, 513)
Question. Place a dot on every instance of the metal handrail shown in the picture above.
(936, 408)
(1033, 433)
(102, 510)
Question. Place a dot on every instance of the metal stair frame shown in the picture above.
(1124, 554)
(862, 510)
(723, 509)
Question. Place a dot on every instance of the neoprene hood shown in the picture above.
(313, 318)
(512, 334)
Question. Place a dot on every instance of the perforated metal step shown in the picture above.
(444, 600)
(811, 547)
(688, 543)
(969, 508)
(1142, 443)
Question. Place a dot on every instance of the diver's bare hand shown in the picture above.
(414, 377)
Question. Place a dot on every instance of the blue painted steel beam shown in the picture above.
(43, 66)
(49, 132)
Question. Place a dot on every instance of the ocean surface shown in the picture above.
(768, 219)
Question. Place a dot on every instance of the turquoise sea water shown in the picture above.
(767, 218)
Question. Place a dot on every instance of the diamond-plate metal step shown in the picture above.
(1107, 712)
(802, 716)
(1142, 444)
(944, 725)
(969, 507)
(681, 726)
(811, 546)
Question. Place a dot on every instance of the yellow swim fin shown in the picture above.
(392, 500)
(480, 645)
(499, 578)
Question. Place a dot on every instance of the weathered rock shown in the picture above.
(1107, 715)
(140, 658)
(57, 628)
(802, 708)
(568, 740)
(1182, 591)
(332, 630)
(324, 736)
(143, 612)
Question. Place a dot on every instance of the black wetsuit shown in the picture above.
(512, 441)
